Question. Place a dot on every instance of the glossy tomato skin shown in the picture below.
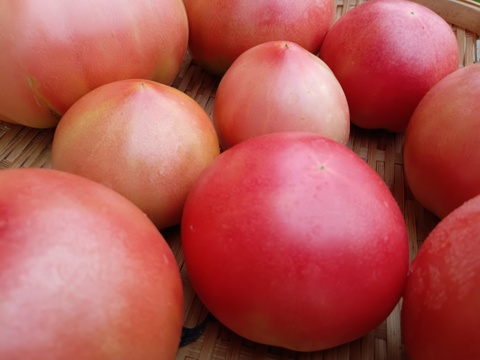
(440, 311)
(279, 86)
(220, 30)
(291, 239)
(441, 157)
(54, 52)
(83, 273)
(387, 54)
(147, 141)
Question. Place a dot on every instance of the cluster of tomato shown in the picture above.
(289, 237)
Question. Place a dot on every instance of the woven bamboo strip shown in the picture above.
(464, 13)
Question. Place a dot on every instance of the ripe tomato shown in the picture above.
(291, 239)
(220, 30)
(53, 52)
(441, 157)
(279, 86)
(440, 311)
(146, 140)
(83, 273)
(387, 54)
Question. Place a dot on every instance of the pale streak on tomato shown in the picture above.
(32, 83)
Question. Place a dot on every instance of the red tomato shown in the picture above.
(279, 86)
(53, 52)
(220, 30)
(440, 311)
(84, 274)
(146, 140)
(441, 157)
(387, 54)
(291, 239)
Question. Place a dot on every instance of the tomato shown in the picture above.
(387, 54)
(83, 273)
(440, 311)
(441, 158)
(279, 86)
(291, 239)
(220, 30)
(146, 140)
(53, 52)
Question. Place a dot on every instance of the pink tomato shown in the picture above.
(220, 30)
(148, 141)
(291, 239)
(440, 311)
(53, 52)
(441, 157)
(387, 54)
(83, 273)
(279, 86)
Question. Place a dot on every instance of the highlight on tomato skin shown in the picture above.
(54, 52)
(147, 141)
(387, 54)
(440, 309)
(83, 273)
(290, 239)
(440, 152)
(279, 86)
(221, 30)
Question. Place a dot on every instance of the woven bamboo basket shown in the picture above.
(26, 147)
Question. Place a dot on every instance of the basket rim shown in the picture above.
(463, 13)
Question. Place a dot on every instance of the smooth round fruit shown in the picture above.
(292, 240)
(145, 140)
(279, 86)
(54, 52)
(221, 30)
(441, 157)
(441, 311)
(387, 54)
(83, 273)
